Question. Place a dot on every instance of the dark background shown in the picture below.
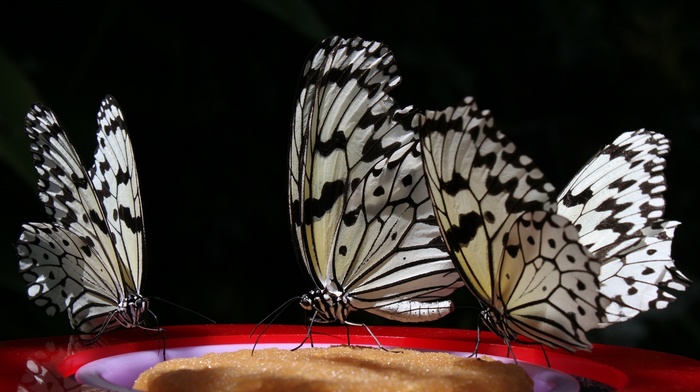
(208, 92)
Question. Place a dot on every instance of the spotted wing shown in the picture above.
(548, 282)
(115, 180)
(61, 275)
(480, 184)
(389, 254)
(617, 201)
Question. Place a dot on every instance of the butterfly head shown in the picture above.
(328, 306)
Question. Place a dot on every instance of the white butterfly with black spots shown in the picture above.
(523, 262)
(616, 201)
(88, 259)
(360, 212)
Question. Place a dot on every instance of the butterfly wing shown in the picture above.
(344, 126)
(115, 180)
(479, 184)
(617, 201)
(389, 244)
(521, 261)
(548, 282)
(61, 275)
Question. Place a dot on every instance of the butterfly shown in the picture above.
(360, 211)
(523, 262)
(616, 201)
(88, 259)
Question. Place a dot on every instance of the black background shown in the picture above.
(208, 93)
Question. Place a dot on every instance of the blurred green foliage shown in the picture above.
(208, 92)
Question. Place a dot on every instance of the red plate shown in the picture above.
(45, 364)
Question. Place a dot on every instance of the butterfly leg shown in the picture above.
(475, 353)
(546, 358)
(379, 345)
(309, 335)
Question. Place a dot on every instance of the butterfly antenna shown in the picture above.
(272, 317)
(183, 308)
(274, 314)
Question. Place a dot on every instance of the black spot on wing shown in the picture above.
(134, 223)
(103, 191)
(338, 141)
(316, 208)
(104, 166)
(295, 212)
(512, 250)
(378, 191)
(79, 180)
(123, 177)
(407, 180)
(569, 200)
(350, 217)
(465, 231)
(98, 221)
(455, 185)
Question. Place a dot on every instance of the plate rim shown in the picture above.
(441, 339)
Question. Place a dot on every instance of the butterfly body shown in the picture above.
(329, 305)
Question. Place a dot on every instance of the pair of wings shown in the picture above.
(545, 266)
(88, 258)
(359, 207)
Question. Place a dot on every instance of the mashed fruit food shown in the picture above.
(336, 368)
